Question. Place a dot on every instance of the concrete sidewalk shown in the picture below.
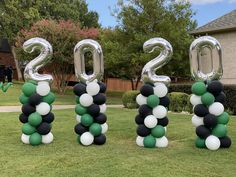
(55, 107)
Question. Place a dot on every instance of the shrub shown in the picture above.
(129, 99)
(179, 102)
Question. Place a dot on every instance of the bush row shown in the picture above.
(179, 96)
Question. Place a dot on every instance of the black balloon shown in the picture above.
(28, 109)
(200, 110)
(220, 98)
(164, 101)
(44, 128)
(164, 122)
(215, 87)
(80, 129)
(23, 118)
(145, 110)
(146, 90)
(143, 131)
(210, 120)
(139, 119)
(103, 87)
(99, 99)
(101, 118)
(35, 99)
(99, 140)
(93, 110)
(48, 118)
(79, 89)
(202, 131)
(225, 142)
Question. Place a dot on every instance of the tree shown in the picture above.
(21, 14)
(63, 36)
(140, 20)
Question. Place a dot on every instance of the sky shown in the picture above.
(206, 10)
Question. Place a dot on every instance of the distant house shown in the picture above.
(224, 30)
(6, 57)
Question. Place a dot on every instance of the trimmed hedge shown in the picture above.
(179, 102)
(129, 99)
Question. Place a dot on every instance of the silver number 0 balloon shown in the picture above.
(88, 45)
(31, 69)
(148, 72)
(195, 55)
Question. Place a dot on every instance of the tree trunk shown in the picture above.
(132, 84)
(137, 82)
(19, 74)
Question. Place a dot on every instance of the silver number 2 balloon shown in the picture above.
(195, 53)
(88, 45)
(148, 72)
(31, 69)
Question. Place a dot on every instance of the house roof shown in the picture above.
(224, 23)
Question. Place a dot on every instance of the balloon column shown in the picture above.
(90, 92)
(153, 101)
(208, 96)
(36, 96)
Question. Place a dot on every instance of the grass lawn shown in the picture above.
(118, 157)
(11, 96)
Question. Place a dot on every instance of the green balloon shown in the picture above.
(35, 139)
(77, 100)
(153, 101)
(23, 99)
(207, 98)
(199, 88)
(28, 129)
(149, 141)
(95, 129)
(80, 110)
(223, 118)
(158, 131)
(49, 98)
(87, 120)
(28, 89)
(219, 130)
(35, 119)
(200, 143)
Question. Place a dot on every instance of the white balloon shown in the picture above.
(139, 141)
(160, 90)
(86, 139)
(197, 121)
(162, 142)
(216, 109)
(43, 88)
(212, 142)
(103, 108)
(43, 108)
(86, 100)
(150, 121)
(92, 88)
(25, 138)
(159, 112)
(140, 99)
(104, 128)
(195, 100)
(78, 118)
(48, 138)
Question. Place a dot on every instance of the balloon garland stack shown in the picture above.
(208, 99)
(153, 100)
(37, 97)
(91, 99)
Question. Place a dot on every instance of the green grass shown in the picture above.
(118, 157)
(11, 96)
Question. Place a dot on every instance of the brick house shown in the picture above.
(224, 30)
